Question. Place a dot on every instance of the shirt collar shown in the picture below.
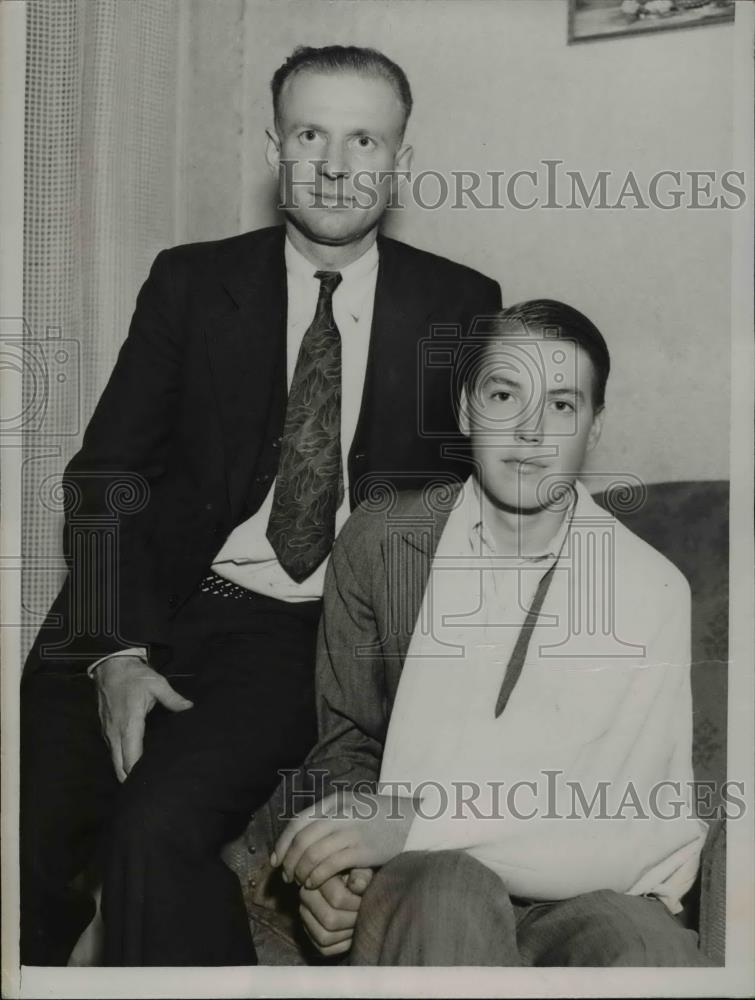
(481, 540)
(297, 265)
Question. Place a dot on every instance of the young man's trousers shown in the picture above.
(445, 908)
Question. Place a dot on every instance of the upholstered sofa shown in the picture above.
(687, 522)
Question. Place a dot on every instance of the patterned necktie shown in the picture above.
(309, 484)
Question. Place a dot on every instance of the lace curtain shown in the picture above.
(100, 180)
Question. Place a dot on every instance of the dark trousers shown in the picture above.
(446, 908)
(167, 898)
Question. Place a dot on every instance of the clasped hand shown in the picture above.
(329, 914)
(341, 832)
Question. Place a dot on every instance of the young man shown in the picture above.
(266, 379)
(504, 694)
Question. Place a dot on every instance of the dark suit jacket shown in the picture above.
(184, 442)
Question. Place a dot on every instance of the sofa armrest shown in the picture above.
(712, 925)
(272, 906)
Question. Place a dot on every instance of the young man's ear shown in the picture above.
(465, 424)
(272, 150)
(597, 428)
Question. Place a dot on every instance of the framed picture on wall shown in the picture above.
(590, 19)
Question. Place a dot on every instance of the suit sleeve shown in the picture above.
(483, 299)
(350, 674)
(349, 683)
(132, 422)
(121, 457)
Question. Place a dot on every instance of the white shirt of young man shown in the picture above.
(592, 704)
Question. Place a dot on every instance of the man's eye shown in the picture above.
(308, 135)
(365, 142)
(501, 396)
(562, 406)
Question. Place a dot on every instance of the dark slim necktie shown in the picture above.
(516, 660)
(309, 484)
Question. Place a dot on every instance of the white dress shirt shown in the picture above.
(247, 557)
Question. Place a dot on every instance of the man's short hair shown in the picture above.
(343, 59)
(538, 317)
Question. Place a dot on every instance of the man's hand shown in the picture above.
(329, 913)
(363, 832)
(127, 690)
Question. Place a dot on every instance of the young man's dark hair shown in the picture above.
(535, 317)
(343, 59)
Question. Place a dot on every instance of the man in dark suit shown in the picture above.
(267, 381)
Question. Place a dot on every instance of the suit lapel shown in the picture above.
(410, 562)
(246, 346)
(399, 311)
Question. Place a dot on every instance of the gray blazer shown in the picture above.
(374, 586)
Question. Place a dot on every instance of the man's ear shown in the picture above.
(465, 424)
(402, 165)
(597, 428)
(272, 150)
(402, 162)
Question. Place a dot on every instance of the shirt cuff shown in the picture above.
(139, 651)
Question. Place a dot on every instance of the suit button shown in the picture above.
(264, 478)
(208, 506)
(172, 601)
(277, 443)
(252, 849)
(360, 456)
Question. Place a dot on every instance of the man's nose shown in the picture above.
(335, 163)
